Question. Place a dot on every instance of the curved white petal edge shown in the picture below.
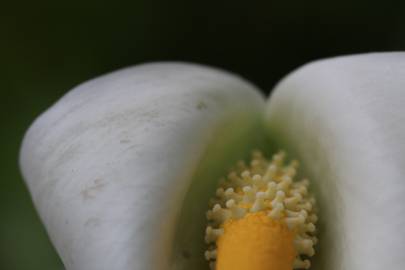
(121, 168)
(344, 118)
(109, 165)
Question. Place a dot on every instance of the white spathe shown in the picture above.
(344, 118)
(110, 165)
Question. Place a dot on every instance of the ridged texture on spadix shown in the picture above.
(109, 165)
(344, 119)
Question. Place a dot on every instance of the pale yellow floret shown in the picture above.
(260, 218)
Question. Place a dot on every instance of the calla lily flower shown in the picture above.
(122, 167)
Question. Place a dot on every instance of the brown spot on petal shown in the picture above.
(92, 222)
(90, 192)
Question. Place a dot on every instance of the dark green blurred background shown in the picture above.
(46, 48)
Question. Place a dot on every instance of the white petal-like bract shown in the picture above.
(344, 119)
(110, 165)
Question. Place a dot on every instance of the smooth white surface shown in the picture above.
(110, 163)
(344, 118)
